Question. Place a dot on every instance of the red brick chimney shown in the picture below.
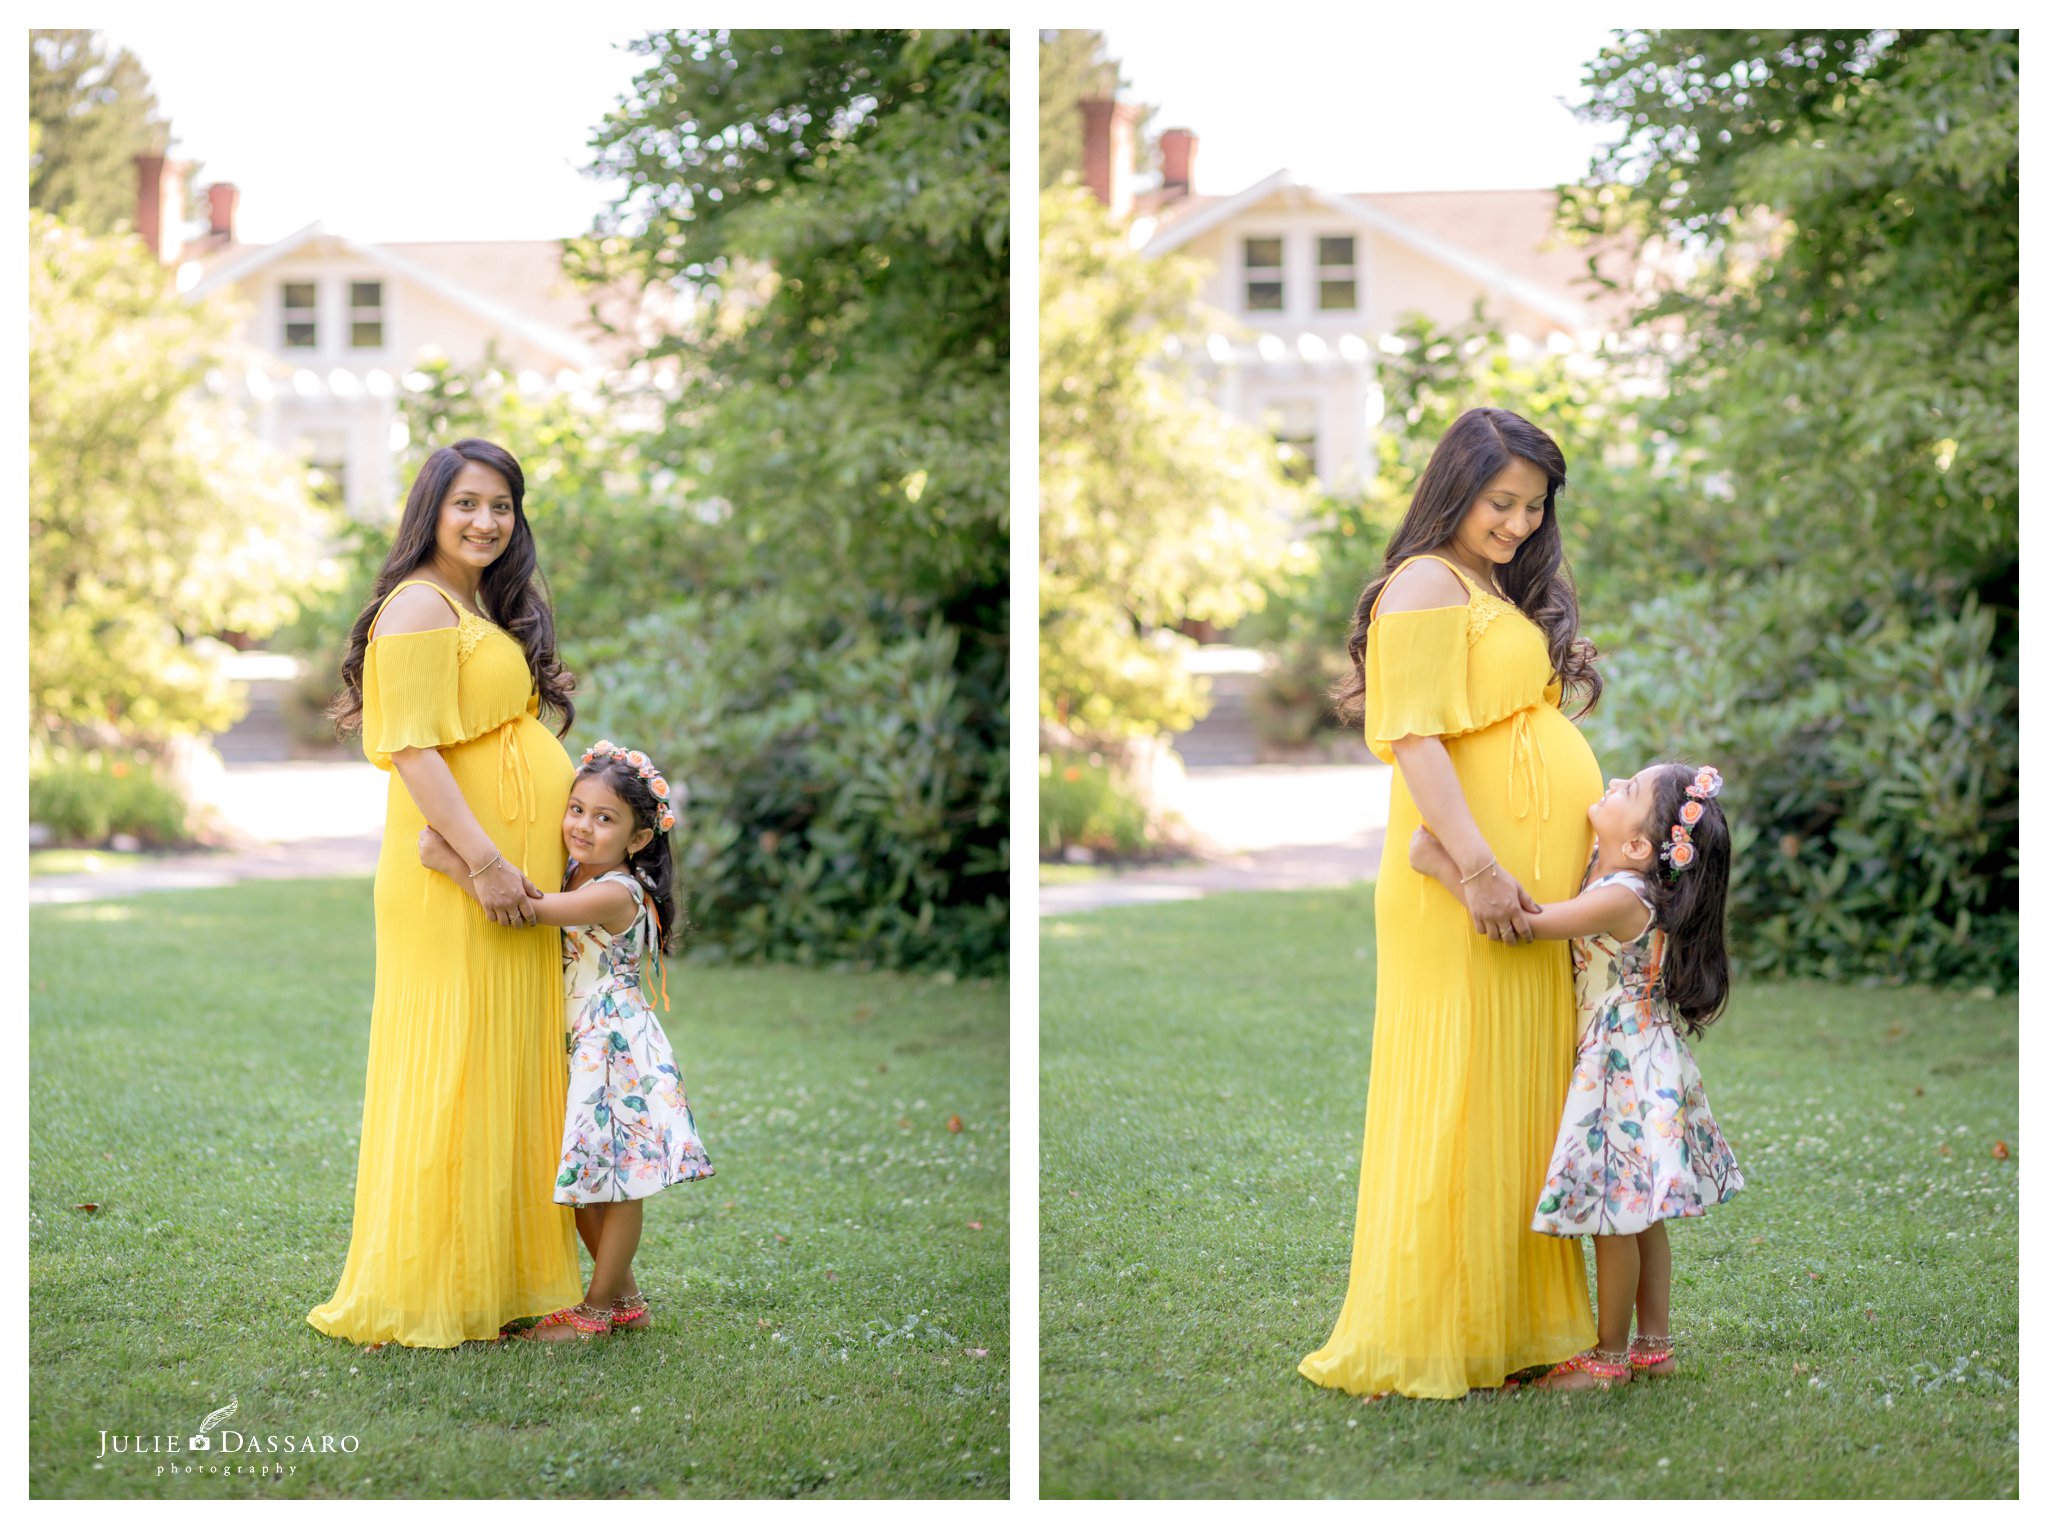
(222, 198)
(1109, 152)
(160, 205)
(1177, 162)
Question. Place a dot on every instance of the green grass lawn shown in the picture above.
(831, 1309)
(1853, 1316)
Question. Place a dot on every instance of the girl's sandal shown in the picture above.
(570, 1322)
(1595, 1369)
(1653, 1355)
(629, 1313)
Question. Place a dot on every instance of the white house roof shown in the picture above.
(535, 265)
(1504, 240)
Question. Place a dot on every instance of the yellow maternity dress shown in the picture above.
(456, 1230)
(1473, 1040)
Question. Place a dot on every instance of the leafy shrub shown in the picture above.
(88, 796)
(1870, 747)
(1081, 802)
(847, 787)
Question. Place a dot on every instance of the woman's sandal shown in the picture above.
(1653, 1355)
(1598, 1369)
(629, 1313)
(570, 1322)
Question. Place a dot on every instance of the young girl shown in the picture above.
(1637, 1144)
(629, 1130)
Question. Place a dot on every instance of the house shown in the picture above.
(330, 326)
(1316, 281)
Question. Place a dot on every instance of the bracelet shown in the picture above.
(1462, 881)
(481, 869)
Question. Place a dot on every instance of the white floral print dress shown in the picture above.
(1637, 1143)
(629, 1130)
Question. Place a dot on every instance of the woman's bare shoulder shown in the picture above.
(1422, 585)
(416, 608)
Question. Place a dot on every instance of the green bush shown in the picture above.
(88, 796)
(1870, 746)
(1082, 803)
(846, 774)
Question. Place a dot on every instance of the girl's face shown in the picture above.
(1508, 511)
(477, 519)
(1621, 818)
(598, 827)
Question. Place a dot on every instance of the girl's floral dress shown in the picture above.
(629, 1130)
(1637, 1144)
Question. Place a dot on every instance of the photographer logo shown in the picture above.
(228, 1449)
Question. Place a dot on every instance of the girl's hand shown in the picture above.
(1426, 854)
(1499, 907)
(437, 854)
(505, 894)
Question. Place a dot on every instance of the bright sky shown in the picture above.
(1446, 100)
(419, 134)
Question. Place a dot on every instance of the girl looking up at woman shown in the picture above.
(1636, 1144)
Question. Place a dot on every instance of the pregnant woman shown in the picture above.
(449, 665)
(1462, 648)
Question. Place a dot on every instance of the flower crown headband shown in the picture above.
(604, 749)
(1679, 853)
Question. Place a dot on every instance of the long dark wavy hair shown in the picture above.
(1472, 453)
(513, 592)
(655, 862)
(1691, 905)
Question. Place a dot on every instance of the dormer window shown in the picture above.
(1337, 273)
(301, 320)
(366, 315)
(1264, 289)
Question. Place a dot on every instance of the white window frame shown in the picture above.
(378, 315)
(290, 313)
(1339, 271)
(1264, 275)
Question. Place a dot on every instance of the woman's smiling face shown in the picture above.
(477, 519)
(1508, 511)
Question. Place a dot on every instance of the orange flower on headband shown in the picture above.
(1691, 812)
(1681, 855)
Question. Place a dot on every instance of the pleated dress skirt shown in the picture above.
(1472, 1050)
(456, 1231)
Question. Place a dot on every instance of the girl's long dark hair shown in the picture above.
(513, 592)
(1691, 905)
(1472, 453)
(655, 863)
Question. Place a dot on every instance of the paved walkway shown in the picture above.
(1259, 828)
(285, 820)
(1287, 868)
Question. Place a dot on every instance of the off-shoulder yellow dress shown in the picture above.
(456, 1230)
(1472, 1040)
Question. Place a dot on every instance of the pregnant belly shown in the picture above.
(1528, 781)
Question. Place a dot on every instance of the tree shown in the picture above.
(1839, 616)
(1071, 69)
(1155, 507)
(837, 204)
(1851, 335)
(90, 113)
(154, 518)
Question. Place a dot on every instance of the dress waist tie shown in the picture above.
(515, 778)
(1528, 779)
